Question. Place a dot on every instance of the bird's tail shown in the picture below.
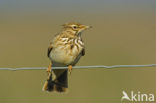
(60, 84)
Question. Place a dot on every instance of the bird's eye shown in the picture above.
(74, 27)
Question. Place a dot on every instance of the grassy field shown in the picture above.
(117, 37)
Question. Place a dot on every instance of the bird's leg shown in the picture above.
(49, 68)
(70, 69)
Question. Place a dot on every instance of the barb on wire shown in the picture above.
(81, 67)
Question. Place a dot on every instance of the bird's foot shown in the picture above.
(49, 68)
(69, 69)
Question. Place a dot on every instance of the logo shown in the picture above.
(137, 96)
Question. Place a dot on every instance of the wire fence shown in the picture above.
(82, 67)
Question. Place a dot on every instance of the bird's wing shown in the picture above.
(49, 49)
(83, 52)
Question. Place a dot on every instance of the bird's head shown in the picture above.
(76, 28)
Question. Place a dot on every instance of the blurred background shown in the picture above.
(123, 33)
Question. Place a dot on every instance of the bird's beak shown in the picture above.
(86, 27)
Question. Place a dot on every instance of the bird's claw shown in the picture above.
(69, 69)
(49, 68)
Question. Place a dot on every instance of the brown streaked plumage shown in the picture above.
(65, 50)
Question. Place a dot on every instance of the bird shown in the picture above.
(125, 96)
(66, 48)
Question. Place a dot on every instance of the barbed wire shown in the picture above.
(81, 67)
